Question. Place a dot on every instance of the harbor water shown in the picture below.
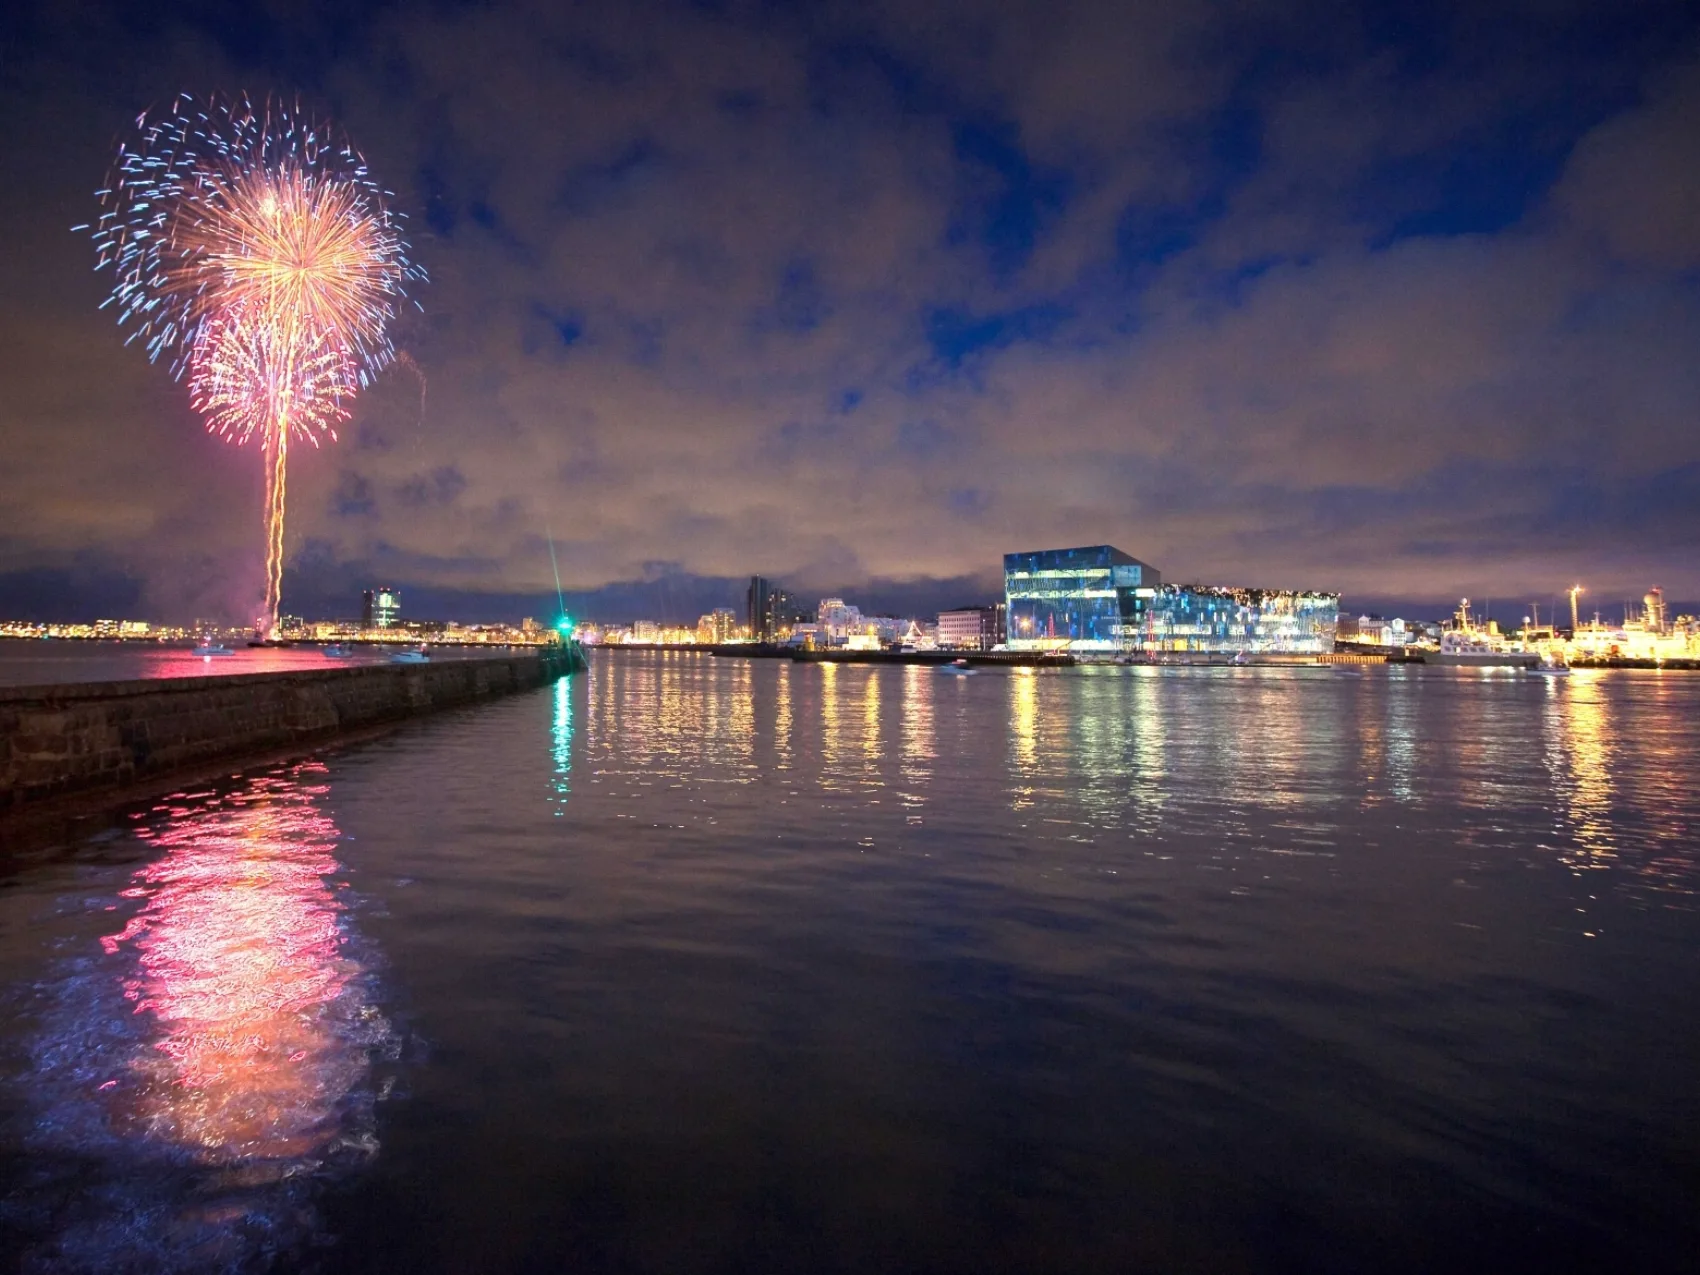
(687, 964)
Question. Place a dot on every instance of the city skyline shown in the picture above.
(862, 299)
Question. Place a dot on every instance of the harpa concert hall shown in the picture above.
(1101, 599)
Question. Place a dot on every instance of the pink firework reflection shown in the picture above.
(262, 1026)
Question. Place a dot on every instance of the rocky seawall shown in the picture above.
(82, 737)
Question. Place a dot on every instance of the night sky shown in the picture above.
(1402, 301)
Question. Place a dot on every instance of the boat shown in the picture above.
(962, 667)
(337, 651)
(1466, 646)
(410, 657)
(208, 648)
(1551, 668)
(1478, 650)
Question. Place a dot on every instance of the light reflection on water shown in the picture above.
(917, 748)
(205, 1056)
(561, 738)
(736, 964)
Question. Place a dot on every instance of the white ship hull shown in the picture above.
(1482, 659)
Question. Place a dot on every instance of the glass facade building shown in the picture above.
(1222, 621)
(1099, 599)
(1072, 599)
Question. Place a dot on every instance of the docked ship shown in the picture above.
(1466, 646)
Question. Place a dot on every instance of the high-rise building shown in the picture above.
(379, 608)
(769, 610)
(758, 611)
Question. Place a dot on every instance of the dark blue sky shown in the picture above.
(1398, 300)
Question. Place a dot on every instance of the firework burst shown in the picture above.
(254, 253)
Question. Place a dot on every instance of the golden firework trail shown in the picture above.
(254, 251)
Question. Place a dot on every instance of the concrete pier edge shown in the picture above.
(76, 742)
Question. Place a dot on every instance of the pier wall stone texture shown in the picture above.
(80, 737)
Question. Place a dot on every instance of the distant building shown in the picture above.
(1373, 630)
(1101, 599)
(758, 609)
(838, 621)
(379, 608)
(646, 631)
(769, 610)
(972, 628)
(717, 627)
(529, 625)
(887, 630)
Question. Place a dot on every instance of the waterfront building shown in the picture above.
(1218, 620)
(805, 634)
(717, 627)
(972, 628)
(1099, 599)
(1373, 630)
(838, 620)
(769, 610)
(1081, 598)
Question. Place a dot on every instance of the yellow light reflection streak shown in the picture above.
(915, 763)
(1024, 734)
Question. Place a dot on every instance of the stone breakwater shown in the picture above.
(81, 737)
